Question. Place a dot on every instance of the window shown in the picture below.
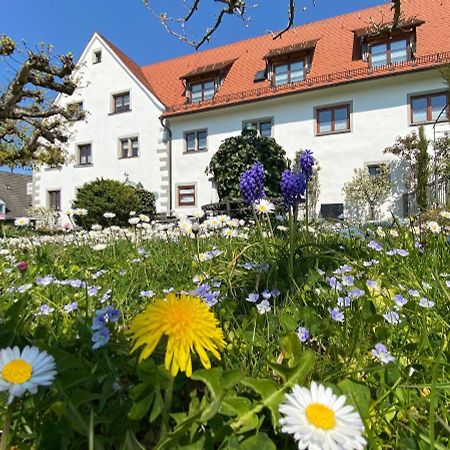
(335, 119)
(97, 57)
(426, 108)
(54, 200)
(196, 141)
(263, 126)
(129, 147)
(376, 168)
(332, 210)
(84, 154)
(202, 91)
(186, 195)
(389, 52)
(2, 209)
(121, 102)
(288, 73)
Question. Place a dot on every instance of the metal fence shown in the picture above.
(438, 196)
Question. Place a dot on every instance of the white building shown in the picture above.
(344, 87)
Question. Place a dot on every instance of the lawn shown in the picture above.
(135, 321)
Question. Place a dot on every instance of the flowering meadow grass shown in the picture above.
(267, 329)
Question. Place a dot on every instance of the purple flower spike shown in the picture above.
(252, 183)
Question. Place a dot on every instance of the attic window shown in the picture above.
(97, 57)
(203, 82)
(381, 44)
(290, 64)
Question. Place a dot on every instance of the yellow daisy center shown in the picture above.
(17, 371)
(321, 416)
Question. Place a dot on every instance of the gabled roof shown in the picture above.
(13, 191)
(337, 57)
(131, 66)
(210, 68)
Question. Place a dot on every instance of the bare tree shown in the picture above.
(33, 128)
(176, 25)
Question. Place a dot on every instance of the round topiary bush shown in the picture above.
(103, 195)
(239, 153)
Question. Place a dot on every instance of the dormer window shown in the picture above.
(290, 64)
(201, 91)
(288, 73)
(382, 44)
(203, 82)
(389, 52)
(97, 57)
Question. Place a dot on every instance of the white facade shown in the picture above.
(103, 129)
(379, 113)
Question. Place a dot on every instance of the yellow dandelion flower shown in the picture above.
(189, 325)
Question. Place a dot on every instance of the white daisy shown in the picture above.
(22, 222)
(25, 370)
(445, 214)
(434, 227)
(319, 420)
(109, 215)
(264, 206)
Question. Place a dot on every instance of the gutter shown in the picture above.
(169, 131)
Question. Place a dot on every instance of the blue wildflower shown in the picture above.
(293, 187)
(303, 334)
(100, 338)
(307, 164)
(381, 353)
(253, 297)
(252, 183)
(336, 314)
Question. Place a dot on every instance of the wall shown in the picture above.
(103, 130)
(380, 114)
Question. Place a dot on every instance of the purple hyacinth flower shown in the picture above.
(252, 183)
(293, 187)
(307, 164)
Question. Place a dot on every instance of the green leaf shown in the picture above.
(358, 395)
(157, 407)
(259, 441)
(298, 373)
(291, 345)
(212, 379)
(235, 406)
(140, 409)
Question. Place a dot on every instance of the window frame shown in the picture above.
(202, 81)
(333, 108)
(179, 195)
(388, 42)
(121, 94)
(258, 123)
(289, 62)
(79, 160)
(197, 148)
(428, 96)
(95, 58)
(50, 192)
(130, 140)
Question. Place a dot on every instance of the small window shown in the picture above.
(2, 209)
(196, 141)
(84, 154)
(129, 147)
(427, 108)
(202, 91)
(97, 57)
(291, 72)
(186, 195)
(121, 102)
(389, 52)
(332, 210)
(335, 119)
(375, 169)
(263, 126)
(54, 200)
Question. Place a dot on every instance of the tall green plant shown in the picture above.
(423, 171)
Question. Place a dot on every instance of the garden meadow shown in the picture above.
(266, 332)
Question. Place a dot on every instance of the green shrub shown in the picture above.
(102, 196)
(239, 153)
(148, 201)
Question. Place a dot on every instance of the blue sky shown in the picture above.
(68, 25)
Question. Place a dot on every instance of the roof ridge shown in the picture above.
(260, 36)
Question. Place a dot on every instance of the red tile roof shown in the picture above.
(335, 57)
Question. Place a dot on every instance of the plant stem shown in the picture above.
(6, 426)
(166, 410)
